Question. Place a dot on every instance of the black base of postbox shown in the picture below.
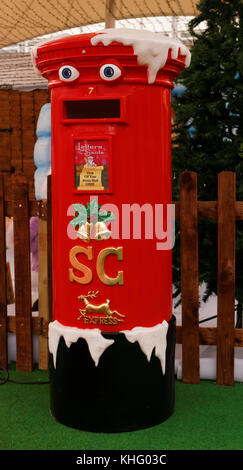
(125, 392)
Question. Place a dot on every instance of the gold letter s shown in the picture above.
(80, 266)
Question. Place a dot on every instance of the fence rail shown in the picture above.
(188, 211)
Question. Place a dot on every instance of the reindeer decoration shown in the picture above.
(101, 308)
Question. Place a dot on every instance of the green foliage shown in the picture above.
(91, 212)
(209, 124)
(80, 217)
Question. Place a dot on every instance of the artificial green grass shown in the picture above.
(206, 417)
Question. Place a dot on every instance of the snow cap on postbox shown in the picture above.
(142, 56)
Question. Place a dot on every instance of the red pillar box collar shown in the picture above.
(112, 213)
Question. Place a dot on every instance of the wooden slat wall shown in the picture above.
(28, 137)
(3, 283)
(16, 116)
(19, 112)
(23, 300)
(5, 134)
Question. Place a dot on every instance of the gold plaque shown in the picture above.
(90, 178)
(98, 314)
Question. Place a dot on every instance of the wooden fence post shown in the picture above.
(226, 278)
(3, 283)
(23, 300)
(189, 277)
(43, 286)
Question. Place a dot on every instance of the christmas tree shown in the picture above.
(209, 125)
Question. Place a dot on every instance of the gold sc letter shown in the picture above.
(80, 266)
(109, 281)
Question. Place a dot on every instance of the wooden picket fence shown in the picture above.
(188, 210)
(23, 324)
(225, 336)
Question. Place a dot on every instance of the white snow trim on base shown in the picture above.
(97, 344)
(150, 338)
(151, 48)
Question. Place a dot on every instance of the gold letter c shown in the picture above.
(109, 281)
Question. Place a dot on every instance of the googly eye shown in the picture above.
(68, 73)
(110, 72)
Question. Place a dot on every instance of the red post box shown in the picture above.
(112, 335)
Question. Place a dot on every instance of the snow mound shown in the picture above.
(151, 48)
